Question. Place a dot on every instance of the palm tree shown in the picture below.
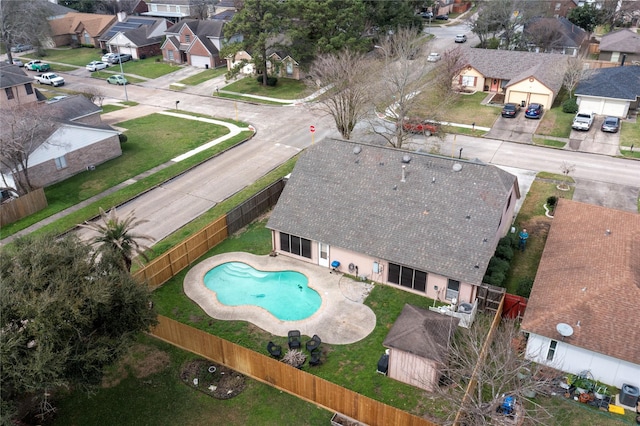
(115, 235)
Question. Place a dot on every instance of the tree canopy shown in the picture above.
(586, 17)
(65, 316)
(22, 22)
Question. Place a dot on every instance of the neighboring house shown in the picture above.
(138, 36)
(422, 223)
(555, 35)
(79, 28)
(444, 7)
(224, 10)
(523, 77)
(194, 42)
(173, 10)
(588, 280)
(79, 142)
(279, 64)
(57, 11)
(609, 91)
(418, 345)
(17, 87)
(560, 8)
(620, 44)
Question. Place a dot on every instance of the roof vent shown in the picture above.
(357, 150)
(433, 179)
(468, 216)
(381, 163)
(607, 232)
(357, 161)
(395, 187)
(406, 158)
(457, 167)
(403, 173)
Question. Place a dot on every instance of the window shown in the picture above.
(87, 38)
(9, 92)
(407, 277)
(29, 88)
(453, 288)
(187, 38)
(61, 163)
(468, 80)
(177, 9)
(154, 7)
(295, 245)
(552, 350)
(289, 68)
(170, 55)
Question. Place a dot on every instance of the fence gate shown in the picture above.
(489, 297)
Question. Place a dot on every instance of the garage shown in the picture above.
(604, 106)
(609, 91)
(529, 98)
(200, 61)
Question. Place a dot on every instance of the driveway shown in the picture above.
(518, 129)
(611, 195)
(595, 140)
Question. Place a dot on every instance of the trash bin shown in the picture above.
(383, 364)
(629, 395)
(523, 103)
(206, 66)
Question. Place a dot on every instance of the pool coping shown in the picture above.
(341, 318)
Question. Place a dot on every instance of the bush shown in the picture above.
(493, 43)
(271, 81)
(123, 138)
(105, 51)
(497, 265)
(570, 106)
(524, 287)
(551, 201)
(508, 240)
(497, 279)
(143, 56)
(505, 252)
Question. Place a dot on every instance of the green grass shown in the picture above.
(78, 57)
(549, 142)
(148, 67)
(555, 123)
(464, 131)
(103, 75)
(246, 99)
(630, 134)
(468, 110)
(164, 399)
(194, 80)
(285, 89)
(111, 107)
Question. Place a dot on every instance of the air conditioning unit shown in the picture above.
(91, 167)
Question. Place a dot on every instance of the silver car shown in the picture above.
(610, 124)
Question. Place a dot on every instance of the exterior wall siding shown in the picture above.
(414, 370)
(20, 96)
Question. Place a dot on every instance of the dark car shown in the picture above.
(427, 15)
(534, 111)
(415, 125)
(120, 57)
(610, 124)
(510, 110)
(442, 17)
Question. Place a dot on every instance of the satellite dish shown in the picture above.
(565, 330)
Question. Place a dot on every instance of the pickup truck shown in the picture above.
(37, 65)
(49, 78)
(582, 121)
(415, 125)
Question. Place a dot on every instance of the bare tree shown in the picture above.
(573, 74)
(544, 34)
(24, 128)
(502, 371)
(23, 22)
(94, 94)
(345, 77)
(566, 169)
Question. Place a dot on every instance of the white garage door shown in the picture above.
(200, 61)
(603, 106)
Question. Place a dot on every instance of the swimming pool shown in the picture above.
(285, 294)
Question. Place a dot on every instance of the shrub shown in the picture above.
(570, 106)
(493, 43)
(497, 265)
(505, 252)
(143, 56)
(105, 51)
(508, 240)
(551, 201)
(524, 286)
(272, 81)
(497, 279)
(123, 138)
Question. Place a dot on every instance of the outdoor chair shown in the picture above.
(294, 339)
(274, 350)
(315, 358)
(314, 343)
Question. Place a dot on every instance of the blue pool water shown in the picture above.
(285, 294)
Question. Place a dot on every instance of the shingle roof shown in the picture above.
(93, 23)
(72, 108)
(614, 82)
(590, 277)
(201, 28)
(624, 40)
(358, 202)
(422, 333)
(515, 66)
(12, 75)
(572, 35)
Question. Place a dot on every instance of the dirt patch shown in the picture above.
(212, 379)
(141, 361)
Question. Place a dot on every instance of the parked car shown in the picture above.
(534, 111)
(416, 125)
(16, 62)
(56, 99)
(510, 110)
(96, 65)
(442, 17)
(460, 38)
(583, 121)
(117, 79)
(610, 124)
(433, 57)
(107, 57)
(119, 57)
(37, 65)
(427, 15)
(21, 48)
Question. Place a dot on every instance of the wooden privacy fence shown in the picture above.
(282, 376)
(163, 268)
(22, 206)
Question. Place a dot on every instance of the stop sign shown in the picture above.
(312, 129)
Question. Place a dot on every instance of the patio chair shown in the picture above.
(274, 350)
(315, 358)
(314, 343)
(294, 339)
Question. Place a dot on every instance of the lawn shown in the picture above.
(110, 108)
(285, 89)
(203, 76)
(549, 142)
(78, 57)
(630, 134)
(149, 67)
(467, 110)
(555, 123)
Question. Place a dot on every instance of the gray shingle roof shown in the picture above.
(625, 40)
(571, 35)
(422, 332)
(12, 75)
(615, 82)
(201, 28)
(358, 202)
(72, 108)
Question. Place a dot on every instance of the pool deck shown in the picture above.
(341, 319)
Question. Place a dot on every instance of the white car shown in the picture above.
(96, 65)
(460, 38)
(433, 57)
(107, 57)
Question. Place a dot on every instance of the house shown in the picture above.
(620, 44)
(523, 77)
(609, 91)
(194, 42)
(582, 311)
(422, 223)
(555, 35)
(418, 345)
(560, 8)
(139, 36)
(79, 28)
(17, 86)
(175, 10)
(279, 63)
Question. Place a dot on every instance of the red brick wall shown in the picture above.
(151, 50)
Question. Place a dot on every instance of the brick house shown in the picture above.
(17, 87)
(620, 44)
(139, 36)
(194, 42)
(77, 28)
